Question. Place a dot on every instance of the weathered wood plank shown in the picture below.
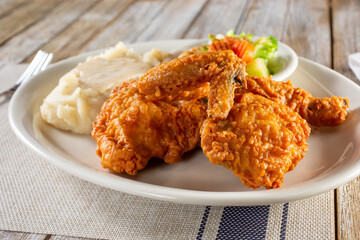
(308, 31)
(70, 41)
(348, 200)
(173, 21)
(23, 17)
(262, 19)
(9, 235)
(346, 34)
(216, 17)
(128, 26)
(346, 28)
(30, 40)
(9, 5)
(68, 238)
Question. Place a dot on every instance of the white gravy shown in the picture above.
(102, 74)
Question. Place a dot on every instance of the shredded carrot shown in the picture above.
(231, 40)
(219, 46)
(243, 49)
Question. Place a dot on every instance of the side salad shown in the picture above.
(259, 55)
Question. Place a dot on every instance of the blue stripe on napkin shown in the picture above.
(284, 221)
(243, 222)
(203, 223)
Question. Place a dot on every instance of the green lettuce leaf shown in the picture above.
(265, 47)
(242, 36)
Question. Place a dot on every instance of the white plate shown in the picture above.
(332, 159)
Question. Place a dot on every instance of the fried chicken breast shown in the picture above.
(131, 129)
(259, 141)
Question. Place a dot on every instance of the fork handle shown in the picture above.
(10, 92)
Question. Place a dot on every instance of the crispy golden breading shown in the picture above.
(131, 129)
(316, 111)
(168, 80)
(259, 141)
(160, 115)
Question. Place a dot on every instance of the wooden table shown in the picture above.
(325, 31)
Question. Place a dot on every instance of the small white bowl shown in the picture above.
(290, 61)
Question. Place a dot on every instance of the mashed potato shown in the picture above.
(74, 103)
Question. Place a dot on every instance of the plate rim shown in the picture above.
(186, 196)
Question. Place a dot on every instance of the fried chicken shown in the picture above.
(170, 80)
(160, 115)
(131, 129)
(316, 111)
(258, 130)
(259, 141)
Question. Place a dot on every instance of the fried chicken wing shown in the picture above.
(131, 129)
(259, 141)
(316, 111)
(169, 80)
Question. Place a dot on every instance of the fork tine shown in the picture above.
(40, 64)
(47, 61)
(30, 69)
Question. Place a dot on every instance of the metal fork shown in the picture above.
(38, 64)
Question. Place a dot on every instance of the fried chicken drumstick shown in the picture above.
(316, 111)
(160, 115)
(259, 141)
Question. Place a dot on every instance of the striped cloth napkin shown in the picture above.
(36, 197)
(249, 222)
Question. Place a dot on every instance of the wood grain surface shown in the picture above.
(23, 17)
(325, 31)
(26, 43)
(346, 37)
(136, 19)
